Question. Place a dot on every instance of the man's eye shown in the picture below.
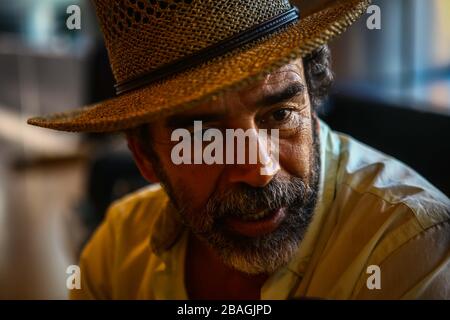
(287, 120)
(281, 115)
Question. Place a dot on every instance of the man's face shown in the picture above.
(254, 222)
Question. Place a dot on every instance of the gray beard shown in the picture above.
(264, 254)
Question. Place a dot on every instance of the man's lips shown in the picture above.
(258, 227)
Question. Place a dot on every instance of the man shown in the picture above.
(317, 215)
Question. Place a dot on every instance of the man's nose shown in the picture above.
(257, 174)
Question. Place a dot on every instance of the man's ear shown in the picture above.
(143, 163)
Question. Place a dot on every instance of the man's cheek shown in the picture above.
(295, 158)
(198, 181)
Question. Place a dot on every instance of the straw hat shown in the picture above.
(169, 55)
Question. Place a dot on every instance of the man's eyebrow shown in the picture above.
(285, 94)
(186, 121)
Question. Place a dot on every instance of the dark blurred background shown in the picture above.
(392, 92)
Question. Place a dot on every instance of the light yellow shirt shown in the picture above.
(372, 210)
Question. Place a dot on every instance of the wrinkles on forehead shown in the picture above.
(290, 72)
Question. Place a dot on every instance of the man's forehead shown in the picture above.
(290, 72)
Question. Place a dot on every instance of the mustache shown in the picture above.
(243, 199)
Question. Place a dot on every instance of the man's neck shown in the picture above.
(207, 277)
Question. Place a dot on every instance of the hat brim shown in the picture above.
(235, 69)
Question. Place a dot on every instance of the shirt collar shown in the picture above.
(329, 160)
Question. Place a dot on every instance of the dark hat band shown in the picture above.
(211, 52)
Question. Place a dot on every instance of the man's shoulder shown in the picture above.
(384, 214)
(115, 258)
(365, 171)
(139, 208)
